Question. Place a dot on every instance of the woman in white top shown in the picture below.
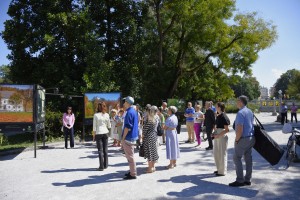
(113, 131)
(198, 119)
(101, 126)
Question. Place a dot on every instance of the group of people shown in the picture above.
(130, 127)
(284, 111)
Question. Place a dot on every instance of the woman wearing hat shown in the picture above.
(172, 144)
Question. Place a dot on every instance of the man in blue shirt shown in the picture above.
(244, 141)
(129, 136)
(189, 114)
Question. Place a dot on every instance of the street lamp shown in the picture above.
(274, 106)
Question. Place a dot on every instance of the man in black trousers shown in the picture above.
(209, 123)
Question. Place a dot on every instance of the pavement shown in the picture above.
(58, 174)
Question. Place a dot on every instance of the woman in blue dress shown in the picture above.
(172, 145)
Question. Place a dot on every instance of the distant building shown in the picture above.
(6, 105)
(272, 91)
(264, 93)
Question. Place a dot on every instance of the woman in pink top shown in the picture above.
(68, 122)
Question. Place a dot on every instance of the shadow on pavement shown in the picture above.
(206, 187)
(10, 154)
(91, 180)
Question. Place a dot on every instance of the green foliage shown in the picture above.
(294, 86)
(283, 82)
(4, 74)
(53, 123)
(246, 85)
(151, 49)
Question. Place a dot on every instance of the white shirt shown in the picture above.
(198, 115)
(101, 123)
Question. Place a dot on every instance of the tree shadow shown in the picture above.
(62, 170)
(10, 154)
(206, 187)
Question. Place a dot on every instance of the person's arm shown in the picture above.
(239, 132)
(73, 121)
(94, 128)
(64, 120)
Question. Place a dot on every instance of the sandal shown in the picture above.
(170, 166)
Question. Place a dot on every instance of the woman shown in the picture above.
(101, 126)
(150, 139)
(68, 123)
(120, 120)
(198, 118)
(114, 120)
(221, 140)
(172, 145)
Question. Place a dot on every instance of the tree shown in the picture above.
(283, 82)
(15, 99)
(246, 85)
(4, 74)
(294, 86)
(196, 36)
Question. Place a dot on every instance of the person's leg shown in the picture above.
(292, 116)
(188, 126)
(209, 132)
(100, 150)
(66, 137)
(129, 152)
(216, 152)
(223, 155)
(286, 119)
(105, 153)
(282, 118)
(197, 132)
(248, 159)
(296, 117)
(72, 137)
(237, 159)
(192, 132)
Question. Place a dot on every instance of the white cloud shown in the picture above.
(277, 73)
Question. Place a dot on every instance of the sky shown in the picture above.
(107, 96)
(283, 55)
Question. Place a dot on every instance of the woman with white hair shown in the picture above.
(172, 144)
(150, 138)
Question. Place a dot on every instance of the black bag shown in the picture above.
(141, 151)
(265, 145)
(160, 131)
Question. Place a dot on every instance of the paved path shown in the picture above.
(57, 173)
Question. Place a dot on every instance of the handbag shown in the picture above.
(204, 129)
(160, 131)
(141, 151)
(62, 129)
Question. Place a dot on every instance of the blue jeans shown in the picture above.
(68, 132)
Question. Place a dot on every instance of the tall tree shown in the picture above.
(294, 86)
(197, 35)
(283, 82)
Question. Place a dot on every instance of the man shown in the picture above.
(209, 123)
(129, 136)
(244, 141)
(283, 112)
(189, 114)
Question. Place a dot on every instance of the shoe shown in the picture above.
(170, 166)
(236, 184)
(217, 174)
(127, 174)
(129, 177)
(99, 169)
(208, 148)
(150, 171)
(192, 142)
(247, 183)
(188, 141)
